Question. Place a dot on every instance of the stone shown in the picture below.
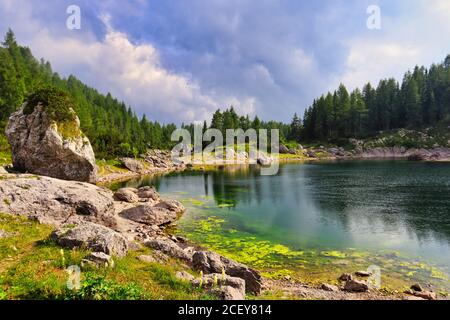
(150, 215)
(171, 205)
(53, 201)
(216, 282)
(427, 295)
(263, 159)
(4, 234)
(363, 274)
(356, 286)
(417, 287)
(284, 149)
(147, 259)
(91, 236)
(38, 147)
(329, 287)
(133, 165)
(169, 247)
(210, 262)
(3, 170)
(346, 277)
(185, 276)
(228, 293)
(126, 195)
(148, 193)
(98, 259)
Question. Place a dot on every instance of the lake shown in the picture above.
(312, 222)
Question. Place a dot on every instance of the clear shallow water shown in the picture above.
(313, 221)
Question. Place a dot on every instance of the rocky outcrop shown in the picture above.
(209, 262)
(45, 147)
(133, 165)
(170, 248)
(91, 236)
(435, 154)
(55, 202)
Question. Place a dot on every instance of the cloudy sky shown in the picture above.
(180, 60)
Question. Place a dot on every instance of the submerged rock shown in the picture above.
(92, 236)
(49, 147)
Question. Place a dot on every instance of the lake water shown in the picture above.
(312, 222)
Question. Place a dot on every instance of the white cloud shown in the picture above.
(132, 72)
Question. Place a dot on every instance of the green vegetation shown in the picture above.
(420, 101)
(111, 126)
(33, 267)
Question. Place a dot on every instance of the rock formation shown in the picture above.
(41, 145)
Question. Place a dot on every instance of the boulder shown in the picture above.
(55, 202)
(150, 215)
(47, 147)
(149, 193)
(210, 262)
(171, 205)
(126, 195)
(226, 287)
(92, 236)
(98, 259)
(263, 159)
(170, 248)
(133, 165)
(356, 286)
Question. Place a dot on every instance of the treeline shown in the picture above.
(113, 128)
(229, 119)
(422, 100)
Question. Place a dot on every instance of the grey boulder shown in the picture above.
(91, 236)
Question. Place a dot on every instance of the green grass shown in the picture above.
(34, 267)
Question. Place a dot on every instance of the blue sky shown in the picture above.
(180, 60)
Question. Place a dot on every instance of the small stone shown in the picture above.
(147, 259)
(428, 295)
(329, 287)
(356, 286)
(126, 195)
(363, 274)
(186, 276)
(417, 287)
(346, 277)
(99, 259)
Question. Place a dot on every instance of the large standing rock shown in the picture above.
(55, 202)
(44, 146)
(149, 215)
(210, 262)
(92, 236)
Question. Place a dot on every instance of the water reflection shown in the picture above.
(382, 205)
